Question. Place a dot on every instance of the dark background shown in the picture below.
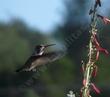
(17, 41)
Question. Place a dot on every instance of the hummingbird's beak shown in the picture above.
(49, 45)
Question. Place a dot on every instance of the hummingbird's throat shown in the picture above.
(40, 53)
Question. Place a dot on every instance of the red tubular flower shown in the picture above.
(105, 19)
(103, 50)
(94, 71)
(97, 55)
(95, 39)
(80, 94)
(95, 88)
(90, 11)
(84, 82)
(98, 2)
(83, 67)
(98, 47)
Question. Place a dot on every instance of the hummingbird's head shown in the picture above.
(39, 49)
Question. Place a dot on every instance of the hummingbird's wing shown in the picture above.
(47, 58)
(28, 63)
(52, 56)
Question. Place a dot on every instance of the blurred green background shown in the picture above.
(17, 41)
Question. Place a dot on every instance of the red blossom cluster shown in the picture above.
(98, 49)
(93, 86)
(91, 67)
(97, 46)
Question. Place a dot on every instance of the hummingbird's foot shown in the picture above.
(34, 70)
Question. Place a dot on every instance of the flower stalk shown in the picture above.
(90, 68)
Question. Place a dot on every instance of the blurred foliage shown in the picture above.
(30, 93)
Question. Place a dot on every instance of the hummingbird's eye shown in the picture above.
(40, 46)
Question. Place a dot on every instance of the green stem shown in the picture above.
(91, 62)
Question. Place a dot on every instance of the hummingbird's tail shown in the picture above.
(24, 69)
(20, 69)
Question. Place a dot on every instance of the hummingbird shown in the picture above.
(39, 58)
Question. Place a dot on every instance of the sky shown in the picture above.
(40, 14)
